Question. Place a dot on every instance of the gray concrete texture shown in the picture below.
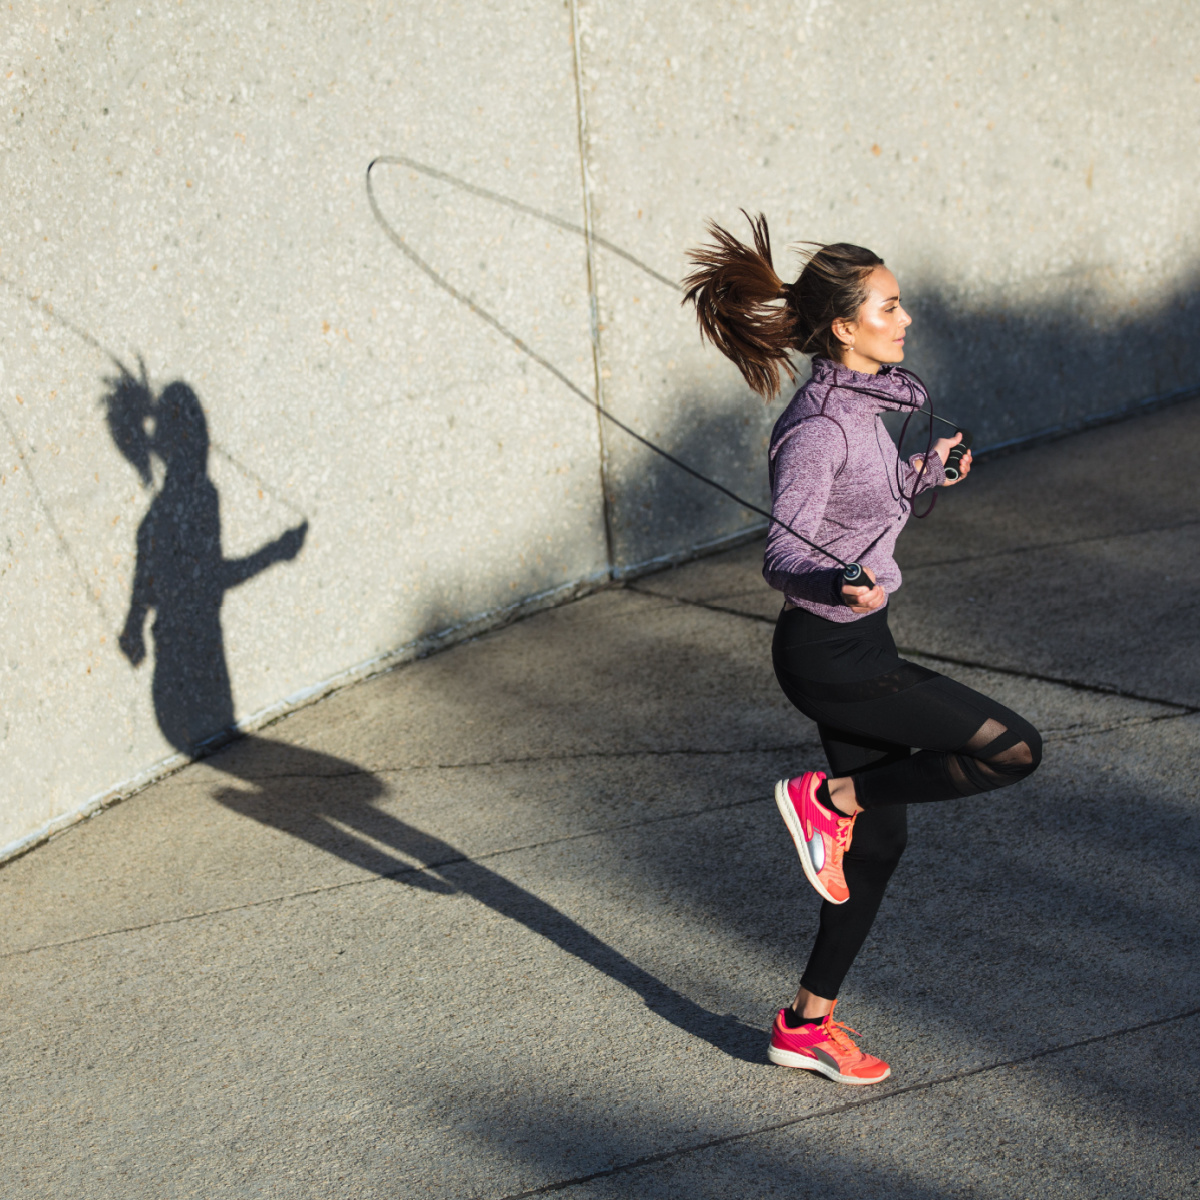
(184, 187)
(513, 920)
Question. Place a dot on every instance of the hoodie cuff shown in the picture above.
(934, 474)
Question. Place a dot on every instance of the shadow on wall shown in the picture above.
(1000, 374)
(181, 572)
(328, 802)
(1009, 372)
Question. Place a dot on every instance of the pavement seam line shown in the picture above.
(1080, 541)
(684, 752)
(1068, 733)
(384, 877)
(1184, 709)
(848, 1106)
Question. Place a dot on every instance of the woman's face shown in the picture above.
(876, 335)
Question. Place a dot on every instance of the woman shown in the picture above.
(837, 481)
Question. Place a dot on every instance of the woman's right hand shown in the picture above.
(864, 600)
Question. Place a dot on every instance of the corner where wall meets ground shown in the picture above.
(249, 449)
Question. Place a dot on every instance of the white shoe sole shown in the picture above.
(788, 812)
(789, 1058)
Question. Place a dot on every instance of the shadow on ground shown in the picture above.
(332, 805)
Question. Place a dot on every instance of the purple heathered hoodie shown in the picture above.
(836, 479)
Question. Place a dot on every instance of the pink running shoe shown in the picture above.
(826, 1047)
(821, 837)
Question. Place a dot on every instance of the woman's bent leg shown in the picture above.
(968, 742)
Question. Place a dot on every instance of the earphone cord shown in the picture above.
(911, 497)
(914, 406)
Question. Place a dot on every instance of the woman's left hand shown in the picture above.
(942, 448)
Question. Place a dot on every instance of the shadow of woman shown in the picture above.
(181, 572)
(325, 801)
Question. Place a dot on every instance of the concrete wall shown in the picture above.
(183, 185)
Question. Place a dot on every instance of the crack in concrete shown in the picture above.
(849, 1106)
(1075, 734)
(1182, 709)
(718, 608)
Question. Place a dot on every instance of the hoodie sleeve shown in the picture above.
(933, 476)
(805, 467)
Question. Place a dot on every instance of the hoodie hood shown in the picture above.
(835, 390)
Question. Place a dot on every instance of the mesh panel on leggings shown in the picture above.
(994, 756)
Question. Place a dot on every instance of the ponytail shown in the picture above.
(755, 319)
(740, 304)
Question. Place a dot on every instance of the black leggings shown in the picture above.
(872, 708)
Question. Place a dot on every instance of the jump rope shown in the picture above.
(853, 573)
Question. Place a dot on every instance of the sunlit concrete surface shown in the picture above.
(514, 919)
(182, 192)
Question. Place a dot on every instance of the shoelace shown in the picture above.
(839, 1035)
(845, 830)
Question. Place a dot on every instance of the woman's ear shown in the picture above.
(843, 330)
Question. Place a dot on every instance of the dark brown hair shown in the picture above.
(757, 320)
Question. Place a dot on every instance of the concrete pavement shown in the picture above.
(513, 920)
